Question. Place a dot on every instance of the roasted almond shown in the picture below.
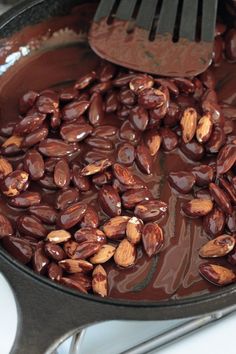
(132, 197)
(218, 247)
(56, 148)
(90, 234)
(72, 215)
(13, 140)
(217, 274)
(221, 198)
(134, 230)
(14, 183)
(189, 124)
(58, 236)
(182, 181)
(86, 249)
(123, 174)
(115, 228)
(204, 128)
(6, 228)
(25, 200)
(99, 281)
(75, 265)
(105, 253)
(197, 207)
(96, 167)
(125, 254)
(226, 158)
(5, 167)
(153, 142)
(110, 201)
(153, 239)
(150, 210)
(214, 222)
(144, 159)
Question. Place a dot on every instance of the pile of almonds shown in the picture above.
(90, 139)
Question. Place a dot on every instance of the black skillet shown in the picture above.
(49, 312)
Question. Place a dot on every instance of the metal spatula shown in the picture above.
(164, 37)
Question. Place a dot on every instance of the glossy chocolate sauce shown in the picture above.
(62, 58)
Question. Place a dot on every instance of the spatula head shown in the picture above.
(165, 37)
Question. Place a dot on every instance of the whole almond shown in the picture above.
(134, 230)
(105, 253)
(74, 284)
(217, 274)
(72, 215)
(214, 222)
(99, 281)
(5, 167)
(13, 140)
(56, 148)
(132, 197)
(153, 142)
(153, 239)
(115, 228)
(150, 210)
(144, 159)
(86, 249)
(218, 247)
(58, 236)
(189, 124)
(197, 207)
(62, 174)
(221, 198)
(90, 234)
(226, 158)
(25, 200)
(123, 174)
(96, 167)
(6, 228)
(70, 248)
(75, 265)
(110, 201)
(14, 183)
(204, 128)
(91, 218)
(125, 254)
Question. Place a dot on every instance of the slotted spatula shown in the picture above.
(164, 37)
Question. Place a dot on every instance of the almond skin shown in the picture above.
(58, 236)
(153, 239)
(217, 274)
(204, 128)
(189, 124)
(197, 207)
(105, 253)
(99, 281)
(218, 247)
(134, 230)
(115, 228)
(125, 254)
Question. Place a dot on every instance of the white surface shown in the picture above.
(115, 336)
(8, 317)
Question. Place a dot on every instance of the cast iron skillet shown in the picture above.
(48, 311)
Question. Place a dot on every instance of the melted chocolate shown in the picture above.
(60, 60)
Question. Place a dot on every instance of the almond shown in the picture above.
(125, 254)
(153, 239)
(204, 128)
(134, 230)
(75, 265)
(123, 174)
(99, 281)
(96, 167)
(217, 274)
(5, 167)
(105, 253)
(58, 236)
(197, 207)
(218, 247)
(115, 228)
(189, 124)
(13, 140)
(153, 142)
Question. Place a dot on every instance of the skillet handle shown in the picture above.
(46, 316)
